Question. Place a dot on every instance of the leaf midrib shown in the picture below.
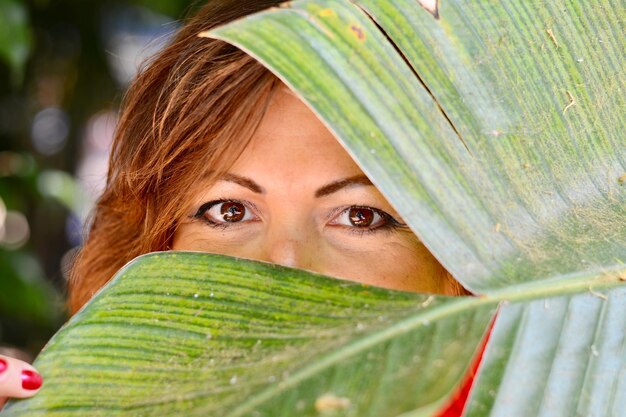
(558, 286)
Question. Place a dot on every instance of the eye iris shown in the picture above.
(232, 212)
(361, 217)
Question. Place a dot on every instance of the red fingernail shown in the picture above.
(31, 380)
(3, 365)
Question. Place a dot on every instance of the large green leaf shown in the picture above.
(495, 129)
(197, 334)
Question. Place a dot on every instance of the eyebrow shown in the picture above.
(244, 182)
(333, 187)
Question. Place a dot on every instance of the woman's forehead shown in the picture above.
(292, 142)
(289, 116)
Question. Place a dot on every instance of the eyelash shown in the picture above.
(208, 205)
(390, 223)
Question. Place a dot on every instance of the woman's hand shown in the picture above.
(17, 379)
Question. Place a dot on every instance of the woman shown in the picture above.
(213, 153)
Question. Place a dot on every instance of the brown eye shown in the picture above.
(361, 217)
(225, 212)
(232, 211)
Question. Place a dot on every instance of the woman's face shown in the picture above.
(296, 198)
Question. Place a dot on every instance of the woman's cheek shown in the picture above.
(201, 238)
(394, 264)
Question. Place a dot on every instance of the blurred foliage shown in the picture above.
(15, 40)
(53, 55)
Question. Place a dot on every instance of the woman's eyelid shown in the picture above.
(339, 211)
(378, 219)
(206, 206)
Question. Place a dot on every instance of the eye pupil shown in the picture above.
(232, 211)
(361, 217)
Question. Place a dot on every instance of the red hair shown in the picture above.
(188, 115)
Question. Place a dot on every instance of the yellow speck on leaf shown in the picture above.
(622, 179)
(327, 12)
(330, 402)
(428, 301)
(598, 294)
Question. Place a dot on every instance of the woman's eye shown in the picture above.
(223, 212)
(362, 217)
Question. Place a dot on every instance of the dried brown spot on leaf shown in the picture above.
(572, 102)
(358, 32)
(552, 37)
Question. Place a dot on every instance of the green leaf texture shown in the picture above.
(558, 357)
(203, 335)
(184, 333)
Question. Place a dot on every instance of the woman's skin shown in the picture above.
(17, 379)
(296, 198)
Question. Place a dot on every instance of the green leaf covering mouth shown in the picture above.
(201, 334)
(197, 333)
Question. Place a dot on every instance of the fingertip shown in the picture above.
(18, 379)
(31, 381)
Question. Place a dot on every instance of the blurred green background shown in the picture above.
(64, 66)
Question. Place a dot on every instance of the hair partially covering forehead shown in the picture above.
(188, 115)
